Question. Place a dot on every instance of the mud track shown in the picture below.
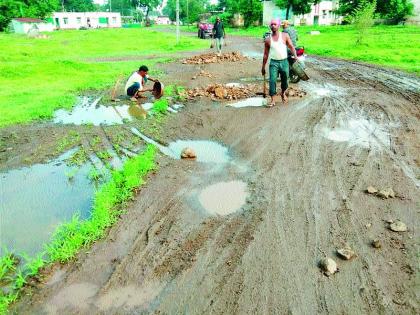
(306, 199)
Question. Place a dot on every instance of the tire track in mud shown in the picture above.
(306, 199)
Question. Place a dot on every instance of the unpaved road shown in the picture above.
(307, 166)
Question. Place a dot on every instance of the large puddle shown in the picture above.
(250, 102)
(206, 151)
(90, 112)
(36, 199)
(224, 198)
(361, 132)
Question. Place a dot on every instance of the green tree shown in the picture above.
(298, 6)
(363, 18)
(189, 10)
(78, 5)
(10, 9)
(251, 11)
(146, 5)
(395, 10)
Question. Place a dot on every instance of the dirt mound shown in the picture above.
(214, 58)
(225, 92)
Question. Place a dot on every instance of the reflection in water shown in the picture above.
(92, 113)
(36, 199)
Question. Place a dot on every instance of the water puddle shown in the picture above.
(87, 112)
(206, 151)
(252, 79)
(361, 132)
(224, 198)
(250, 102)
(234, 85)
(36, 199)
(253, 54)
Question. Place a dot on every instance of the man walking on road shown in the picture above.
(219, 34)
(275, 46)
(291, 31)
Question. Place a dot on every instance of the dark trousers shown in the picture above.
(278, 67)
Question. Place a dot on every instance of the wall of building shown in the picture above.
(415, 19)
(321, 14)
(24, 28)
(76, 20)
(271, 11)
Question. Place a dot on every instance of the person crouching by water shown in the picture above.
(136, 82)
(275, 46)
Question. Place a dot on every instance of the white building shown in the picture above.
(321, 14)
(415, 19)
(76, 20)
(27, 25)
(162, 20)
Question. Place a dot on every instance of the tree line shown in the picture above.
(192, 11)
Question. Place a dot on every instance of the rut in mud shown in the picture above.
(304, 168)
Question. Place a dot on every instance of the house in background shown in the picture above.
(76, 20)
(415, 19)
(30, 25)
(321, 14)
(162, 20)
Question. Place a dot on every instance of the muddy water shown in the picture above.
(224, 198)
(90, 112)
(250, 102)
(36, 199)
(206, 151)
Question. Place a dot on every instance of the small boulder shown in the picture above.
(346, 253)
(329, 266)
(398, 226)
(188, 153)
(386, 193)
(376, 244)
(371, 190)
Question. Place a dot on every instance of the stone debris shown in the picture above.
(232, 92)
(329, 266)
(188, 153)
(376, 244)
(386, 193)
(346, 253)
(214, 58)
(371, 190)
(398, 226)
(383, 193)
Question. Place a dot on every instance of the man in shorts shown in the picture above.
(135, 83)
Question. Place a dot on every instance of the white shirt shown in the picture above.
(278, 49)
(135, 77)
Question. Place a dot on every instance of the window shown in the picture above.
(66, 20)
(79, 20)
(324, 13)
(114, 20)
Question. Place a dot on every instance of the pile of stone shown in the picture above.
(214, 58)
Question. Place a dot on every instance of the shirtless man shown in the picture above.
(275, 46)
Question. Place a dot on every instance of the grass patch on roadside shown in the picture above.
(391, 46)
(38, 76)
(70, 237)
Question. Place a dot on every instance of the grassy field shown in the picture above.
(38, 76)
(391, 46)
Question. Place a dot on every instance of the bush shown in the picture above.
(363, 18)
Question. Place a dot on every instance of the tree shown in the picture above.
(251, 11)
(78, 5)
(298, 6)
(395, 10)
(363, 18)
(146, 5)
(188, 14)
(10, 9)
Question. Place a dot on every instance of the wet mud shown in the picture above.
(306, 166)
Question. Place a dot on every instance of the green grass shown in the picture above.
(70, 237)
(391, 46)
(38, 76)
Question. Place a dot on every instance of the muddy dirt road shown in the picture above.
(306, 166)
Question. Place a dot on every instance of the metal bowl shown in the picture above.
(298, 68)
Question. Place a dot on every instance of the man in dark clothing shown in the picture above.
(291, 31)
(219, 34)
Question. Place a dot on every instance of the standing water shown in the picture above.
(36, 199)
